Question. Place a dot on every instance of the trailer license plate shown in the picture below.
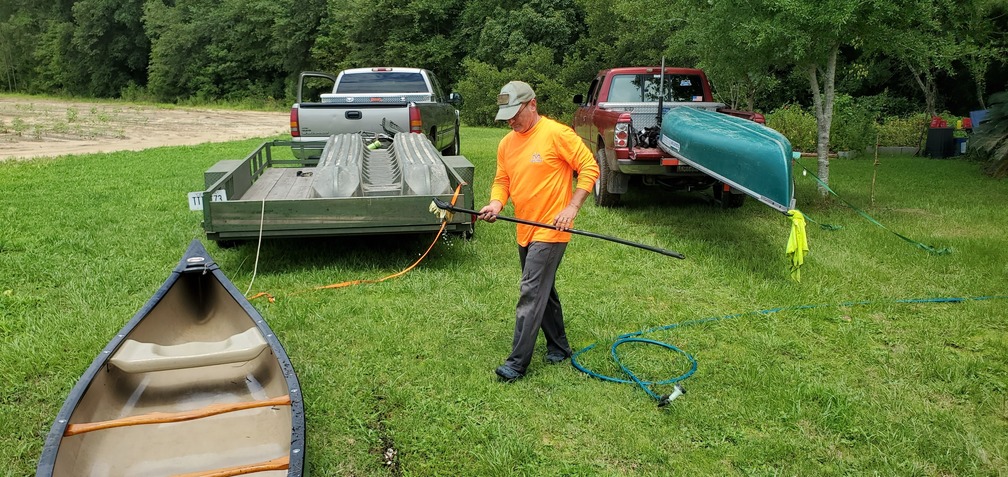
(196, 198)
(687, 168)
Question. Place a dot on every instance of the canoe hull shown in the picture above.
(196, 346)
(747, 156)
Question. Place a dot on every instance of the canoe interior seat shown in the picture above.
(136, 357)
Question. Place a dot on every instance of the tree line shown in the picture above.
(900, 57)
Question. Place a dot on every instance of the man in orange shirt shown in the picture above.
(536, 163)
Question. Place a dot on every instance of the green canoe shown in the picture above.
(745, 155)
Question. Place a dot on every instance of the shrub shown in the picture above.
(902, 131)
(479, 87)
(853, 127)
(991, 141)
(796, 124)
(481, 82)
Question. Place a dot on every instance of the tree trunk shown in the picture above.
(925, 80)
(823, 105)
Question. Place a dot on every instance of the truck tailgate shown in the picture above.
(323, 119)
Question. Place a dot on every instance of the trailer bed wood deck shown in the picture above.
(282, 183)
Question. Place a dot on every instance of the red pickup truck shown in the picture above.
(620, 120)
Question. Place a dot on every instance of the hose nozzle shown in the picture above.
(668, 398)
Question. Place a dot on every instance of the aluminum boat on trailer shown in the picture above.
(358, 186)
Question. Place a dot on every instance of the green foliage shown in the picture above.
(757, 52)
(133, 92)
(109, 47)
(902, 131)
(991, 138)
(503, 31)
(483, 81)
(479, 86)
(796, 124)
(853, 127)
(53, 70)
(192, 56)
(19, 126)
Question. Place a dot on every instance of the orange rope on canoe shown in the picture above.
(166, 417)
(280, 463)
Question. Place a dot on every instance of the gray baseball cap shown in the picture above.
(511, 97)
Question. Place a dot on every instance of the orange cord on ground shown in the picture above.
(379, 280)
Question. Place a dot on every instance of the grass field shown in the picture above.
(888, 387)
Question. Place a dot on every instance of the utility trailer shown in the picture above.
(359, 184)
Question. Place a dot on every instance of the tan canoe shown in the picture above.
(196, 384)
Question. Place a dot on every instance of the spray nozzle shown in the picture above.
(668, 398)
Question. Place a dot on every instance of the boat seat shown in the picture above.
(136, 357)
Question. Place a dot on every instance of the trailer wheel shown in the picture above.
(603, 197)
(466, 233)
(228, 243)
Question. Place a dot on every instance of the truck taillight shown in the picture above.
(295, 129)
(414, 119)
(621, 134)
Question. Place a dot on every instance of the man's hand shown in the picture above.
(565, 220)
(490, 211)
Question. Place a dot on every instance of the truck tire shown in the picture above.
(603, 197)
(456, 147)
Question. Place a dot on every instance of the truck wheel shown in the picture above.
(456, 147)
(603, 197)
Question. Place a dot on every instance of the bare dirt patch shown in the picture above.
(31, 127)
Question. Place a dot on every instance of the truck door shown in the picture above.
(312, 84)
(583, 124)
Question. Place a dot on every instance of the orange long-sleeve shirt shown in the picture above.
(535, 170)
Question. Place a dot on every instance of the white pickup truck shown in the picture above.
(381, 101)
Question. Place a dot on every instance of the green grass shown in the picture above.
(885, 388)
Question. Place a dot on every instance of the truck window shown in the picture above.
(644, 88)
(592, 92)
(381, 82)
(314, 87)
(438, 92)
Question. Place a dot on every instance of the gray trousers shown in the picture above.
(538, 304)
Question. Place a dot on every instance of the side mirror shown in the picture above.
(578, 99)
(455, 98)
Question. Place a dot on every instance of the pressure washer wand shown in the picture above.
(671, 253)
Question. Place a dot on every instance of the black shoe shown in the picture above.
(554, 357)
(505, 373)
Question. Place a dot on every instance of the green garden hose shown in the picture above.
(665, 399)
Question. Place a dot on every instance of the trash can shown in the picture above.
(940, 143)
(960, 146)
